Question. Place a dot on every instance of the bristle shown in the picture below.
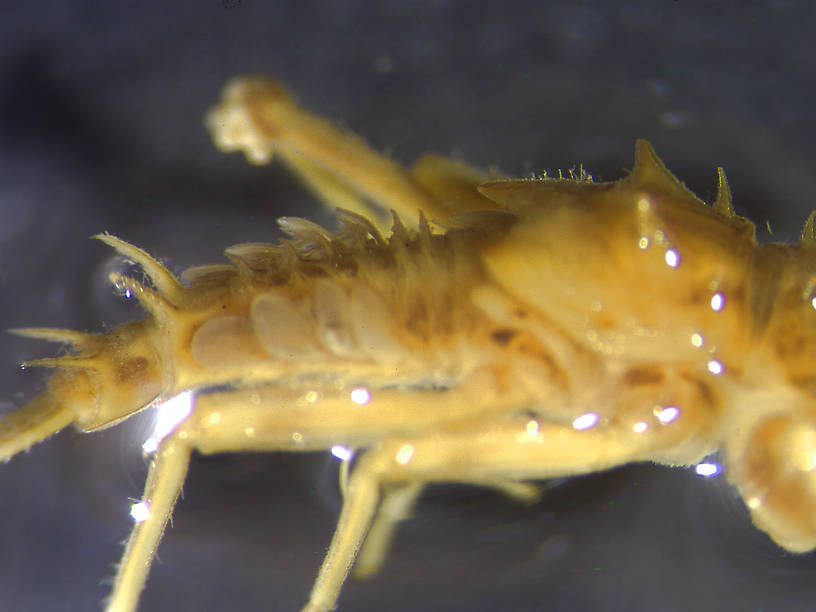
(165, 282)
(78, 339)
(150, 300)
(723, 204)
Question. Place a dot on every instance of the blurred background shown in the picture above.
(101, 109)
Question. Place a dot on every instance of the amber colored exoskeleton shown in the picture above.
(489, 331)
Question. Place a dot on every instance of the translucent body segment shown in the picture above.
(282, 328)
(596, 290)
(373, 325)
(330, 310)
(773, 464)
(226, 341)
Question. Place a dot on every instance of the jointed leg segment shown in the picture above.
(491, 454)
(164, 482)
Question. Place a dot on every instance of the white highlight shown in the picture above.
(811, 462)
(640, 427)
(585, 421)
(360, 396)
(707, 470)
(140, 511)
(717, 302)
(696, 340)
(813, 303)
(532, 428)
(168, 415)
(341, 452)
(672, 258)
(405, 454)
(668, 414)
(715, 367)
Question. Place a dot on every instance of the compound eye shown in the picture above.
(774, 467)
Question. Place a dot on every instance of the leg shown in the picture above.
(257, 115)
(496, 452)
(164, 482)
(397, 503)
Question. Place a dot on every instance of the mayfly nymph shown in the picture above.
(489, 331)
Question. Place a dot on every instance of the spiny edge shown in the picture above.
(723, 203)
(650, 169)
(808, 235)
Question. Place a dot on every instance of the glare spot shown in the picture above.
(813, 303)
(643, 204)
(643, 243)
(297, 437)
(168, 415)
(707, 470)
(696, 340)
(312, 396)
(585, 421)
(360, 396)
(140, 511)
(715, 367)
(341, 452)
(215, 418)
(672, 258)
(753, 503)
(717, 302)
(811, 462)
(532, 428)
(405, 454)
(668, 414)
(250, 432)
(640, 427)
(128, 294)
(530, 433)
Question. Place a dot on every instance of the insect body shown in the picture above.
(538, 328)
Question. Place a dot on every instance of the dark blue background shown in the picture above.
(100, 129)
